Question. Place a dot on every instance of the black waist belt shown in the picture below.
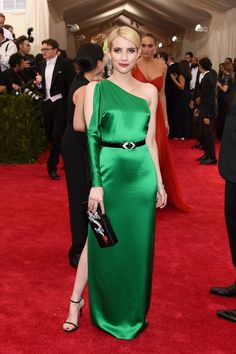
(128, 145)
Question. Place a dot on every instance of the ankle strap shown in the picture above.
(76, 302)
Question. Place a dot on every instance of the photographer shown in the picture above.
(6, 32)
(12, 79)
(23, 47)
(7, 48)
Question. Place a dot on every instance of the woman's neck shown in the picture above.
(146, 60)
(123, 79)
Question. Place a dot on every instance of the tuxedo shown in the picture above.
(63, 75)
(207, 109)
(227, 169)
(54, 106)
(208, 96)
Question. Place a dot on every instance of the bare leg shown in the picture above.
(80, 282)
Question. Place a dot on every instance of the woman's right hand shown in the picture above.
(95, 198)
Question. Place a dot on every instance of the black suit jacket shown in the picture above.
(208, 96)
(227, 156)
(63, 75)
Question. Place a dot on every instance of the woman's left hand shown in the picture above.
(161, 197)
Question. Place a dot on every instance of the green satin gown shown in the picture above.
(120, 277)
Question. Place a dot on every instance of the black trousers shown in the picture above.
(55, 123)
(230, 216)
(75, 157)
(208, 140)
(196, 128)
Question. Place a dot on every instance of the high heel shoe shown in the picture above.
(75, 325)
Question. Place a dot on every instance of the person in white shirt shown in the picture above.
(7, 33)
(7, 48)
(194, 71)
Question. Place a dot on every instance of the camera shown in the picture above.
(28, 88)
(31, 94)
(29, 31)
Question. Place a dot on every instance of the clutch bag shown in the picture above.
(101, 227)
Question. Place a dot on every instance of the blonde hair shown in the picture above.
(98, 39)
(124, 32)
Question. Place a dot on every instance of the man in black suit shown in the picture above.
(55, 75)
(227, 169)
(189, 57)
(207, 111)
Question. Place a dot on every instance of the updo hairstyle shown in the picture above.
(88, 56)
(127, 33)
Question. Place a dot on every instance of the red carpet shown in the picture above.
(192, 254)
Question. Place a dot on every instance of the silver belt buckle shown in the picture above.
(129, 145)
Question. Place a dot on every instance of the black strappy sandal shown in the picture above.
(71, 323)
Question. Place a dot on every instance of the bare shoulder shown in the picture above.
(80, 90)
(90, 88)
(161, 64)
(79, 93)
(145, 86)
(91, 85)
(164, 68)
(152, 92)
(146, 90)
(149, 88)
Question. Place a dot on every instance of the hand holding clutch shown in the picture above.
(95, 199)
(101, 227)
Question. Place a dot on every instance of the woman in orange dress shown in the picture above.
(149, 69)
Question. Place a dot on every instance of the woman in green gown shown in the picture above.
(126, 182)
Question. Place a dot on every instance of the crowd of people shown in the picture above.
(190, 100)
(93, 123)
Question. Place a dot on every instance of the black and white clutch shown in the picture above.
(101, 227)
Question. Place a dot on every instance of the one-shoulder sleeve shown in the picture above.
(94, 139)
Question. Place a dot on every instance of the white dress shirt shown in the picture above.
(201, 76)
(50, 65)
(194, 72)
